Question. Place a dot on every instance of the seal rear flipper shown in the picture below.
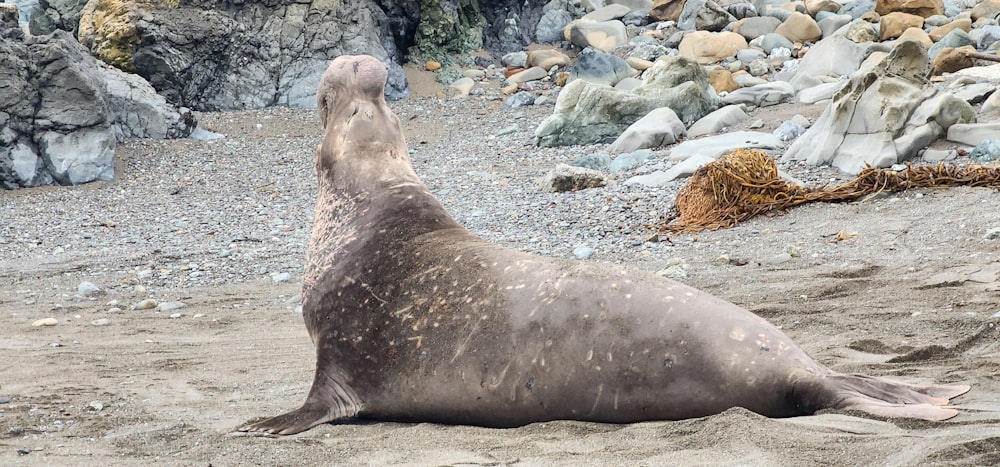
(329, 400)
(893, 399)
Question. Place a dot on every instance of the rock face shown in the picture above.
(52, 15)
(884, 115)
(63, 112)
(588, 112)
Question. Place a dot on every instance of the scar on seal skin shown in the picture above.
(416, 319)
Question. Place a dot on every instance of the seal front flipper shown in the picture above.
(887, 398)
(329, 399)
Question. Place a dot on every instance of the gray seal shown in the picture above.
(416, 319)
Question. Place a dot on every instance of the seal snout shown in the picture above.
(361, 72)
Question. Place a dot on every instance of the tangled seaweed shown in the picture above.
(743, 184)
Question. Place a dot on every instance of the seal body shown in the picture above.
(416, 319)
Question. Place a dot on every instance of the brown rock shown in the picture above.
(893, 24)
(432, 66)
(638, 63)
(917, 35)
(952, 60)
(722, 80)
(800, 27)
(511, 71)
(710, 47)
(816, 6)
(870, 16)
(547, 58)
(939, 32)
(861, 31)
(561, 78)
(921, 8)
(603, 35)
(667, 10)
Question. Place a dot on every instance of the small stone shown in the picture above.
(992, 234)
(85, 289)
(24, 451)
(281, 277)
(45, 322)
(138, 290)
(114, 310)
(96, 406)
(100, 322)
(508, 130)
(431, 65)
(779, 258)
(170, 306)
(583, 252)
(4, 400)
(793, 251)
(175, 316)
(198, 315)
(676, 269)
(15, 431)
(147, 304)
(568, 178)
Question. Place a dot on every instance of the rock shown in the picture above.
(952, 60)
(583, 252)
(568, 178)
(882, 116)
(986, 151)
(917, 34)
(759, 67)
(52, 15)
(756, 26)
(709, 47)
(761, 95)
(86, 289)
(629, 161)
(987, 36)
(799, 27)
(676, 269)
(531, 74)
(547, 58)
(45, 322)
(773, 41)
(281, 277)
(432, 65)
(100, 322)
(628, 84)
(992, 103)
(953, 40)
(463, 86)
(515, 59)
(703, 15)
(716, 146)
(988, 9)
(814, 7)
(834, 55)
(788, 130)
(666, 10)
(683, 169)
(520, 99)
(63, 113)
(550, 26)
(993, 234)
(659, 127)
(938, 155)
(593, 161)
(718, 121)
(722, 81)
(607, 13)
(893, 24)
(147, 304)
(595, 66)
(171, 306)
(861, 31)
(589, 113)
(818, 93)
(922, 8)
(938, 33)
(829, 25)
(604, 35)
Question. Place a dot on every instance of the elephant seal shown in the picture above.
(416, 319)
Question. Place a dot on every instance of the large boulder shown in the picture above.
(51, 15)
(882, 116)
(587, 113)
(62, 112)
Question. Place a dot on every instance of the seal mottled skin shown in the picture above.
(416, 319)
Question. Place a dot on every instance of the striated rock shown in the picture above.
(659, 127)
(569, 178)
(820, 92)
(762, 95)
(799, 27)
(604, 35)
(918, 35)
(893, 24)
(835, 55)
(952, 60)
(921, 8)
(52, 15)
(884, 115)
(709, 47)
(588, 113)
(62, 113)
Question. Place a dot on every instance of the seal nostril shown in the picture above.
(356, 66)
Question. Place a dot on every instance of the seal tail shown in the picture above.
(887, 398)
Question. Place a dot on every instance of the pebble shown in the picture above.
(175, 316)
(508, 130)
(114, 310)
(147, 304)
(992, 234)
(281, 277)
(45, 322)
(100, 322)
(170, 306)
(96, 406)
(583, 252)
(4, 400)
(24, 451)
(85, 289)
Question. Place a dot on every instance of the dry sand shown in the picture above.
(912, 296)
